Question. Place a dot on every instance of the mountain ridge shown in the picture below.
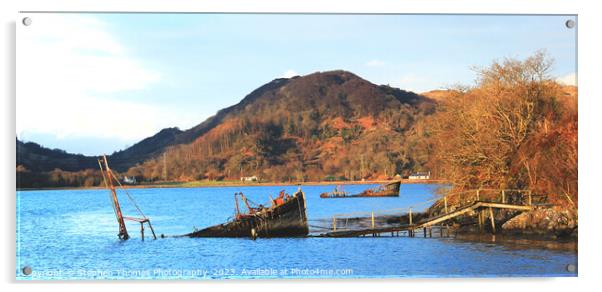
(338, 97)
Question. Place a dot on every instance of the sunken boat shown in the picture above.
(337, 192)
(385, 190)
(285, 217)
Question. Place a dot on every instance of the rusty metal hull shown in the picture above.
(385, 190)
(286, 220)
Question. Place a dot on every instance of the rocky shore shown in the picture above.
(553, 221)
(546, 221)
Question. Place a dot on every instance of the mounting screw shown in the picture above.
(571, 268)
(26, 270)
(570, 23)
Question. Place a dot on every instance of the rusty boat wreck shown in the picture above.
(285, 217)
(385, 190)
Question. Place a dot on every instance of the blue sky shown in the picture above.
(150, 71)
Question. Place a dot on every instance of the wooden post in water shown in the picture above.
(108, 179)
(152, 230)
(334, 223)
(142, 230)
(424, 231)
(411, 231)
(483, 218)
(480, 218)
(492, 220)
(445, 203)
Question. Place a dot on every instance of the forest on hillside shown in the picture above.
(324, 126)
(516, 127)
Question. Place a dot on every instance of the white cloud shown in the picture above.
(67, 66)
(290, 73)
(375, 63)
(569, 79)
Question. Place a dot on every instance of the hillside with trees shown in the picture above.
(323, 126)
(516, 127)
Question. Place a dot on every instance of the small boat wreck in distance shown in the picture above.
(338, 192)
(385, 190)
(285, 217)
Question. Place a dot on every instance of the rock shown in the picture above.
(553, 221)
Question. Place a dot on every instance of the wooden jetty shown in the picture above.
(482, 207)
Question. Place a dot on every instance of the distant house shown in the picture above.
(249, 178)
(129, 180)
(420, 175)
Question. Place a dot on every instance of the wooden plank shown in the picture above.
(142, 220)
(451, 215)
(506, 206)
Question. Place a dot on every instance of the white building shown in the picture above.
(130, 180)
(420, 175)
(249, 178)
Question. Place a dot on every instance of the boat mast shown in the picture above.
(237, 208)
(123, 233)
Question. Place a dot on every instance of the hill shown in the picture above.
(325, 125)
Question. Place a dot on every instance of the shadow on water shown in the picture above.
(521, 242)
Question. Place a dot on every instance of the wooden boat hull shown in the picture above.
(286, 220)
(386, 190)
(334, 195)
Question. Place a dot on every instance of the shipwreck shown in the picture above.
(385, 190)
(284, 217)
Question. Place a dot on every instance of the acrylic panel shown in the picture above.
(260, 146)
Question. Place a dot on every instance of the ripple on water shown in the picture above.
(75, 230)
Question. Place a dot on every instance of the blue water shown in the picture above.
(71, 234)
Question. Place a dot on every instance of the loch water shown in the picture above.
(72, 234)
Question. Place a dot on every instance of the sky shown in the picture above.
(98, 83)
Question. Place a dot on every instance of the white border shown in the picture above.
(589, 157)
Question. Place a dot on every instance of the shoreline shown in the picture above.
(215, 184)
